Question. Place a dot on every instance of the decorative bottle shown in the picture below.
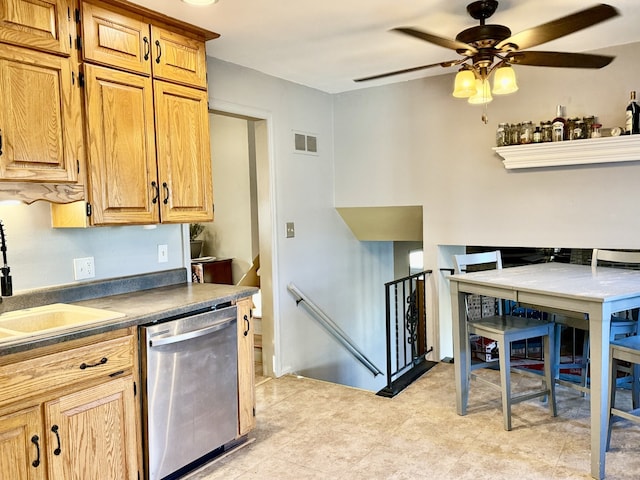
(558, 126)
(632, 124)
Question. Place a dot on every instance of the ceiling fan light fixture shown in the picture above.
(483, 93)
(504, 80)
(200, 2)
(465, 84)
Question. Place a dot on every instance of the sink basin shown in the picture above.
(51, 317)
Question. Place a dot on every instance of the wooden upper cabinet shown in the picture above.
(129, 42)
(178, 58)
(40, 112)
(121, 146)
(115, 39)
(40, 24)
(184, 156)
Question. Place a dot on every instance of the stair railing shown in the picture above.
(333, 329)
(407, 343)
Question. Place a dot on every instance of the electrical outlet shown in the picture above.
(83, 268)
(163, 253)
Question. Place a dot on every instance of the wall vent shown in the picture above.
(305, 143)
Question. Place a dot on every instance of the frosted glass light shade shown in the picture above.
(465, 84)
(200, 2)
(504, 81)
(483, 93)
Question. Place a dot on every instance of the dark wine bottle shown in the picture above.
(632, 124)
(559, 126)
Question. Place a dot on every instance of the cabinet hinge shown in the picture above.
(79, 43)
(88, 209)
(78, 165)
(68, 13)
(80, 79)
(254, 411)
(70, 42)
(77, 14)
(135, 389)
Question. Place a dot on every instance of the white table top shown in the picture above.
(567, 280)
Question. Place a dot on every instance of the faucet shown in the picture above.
(6, 285)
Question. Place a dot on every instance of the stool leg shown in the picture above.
(635, 389)
(613, 368)
(505, 380)
(550, 362)
(557, 347)
(586, 354)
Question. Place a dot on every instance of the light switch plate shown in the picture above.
(291, 230)
(163, 253)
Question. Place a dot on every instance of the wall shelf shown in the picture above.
(625, 148)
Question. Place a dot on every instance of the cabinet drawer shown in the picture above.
(49, 372)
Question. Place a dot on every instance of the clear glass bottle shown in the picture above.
(526, 132)
(547, 132)
(579, 130)
(501, 132)
(588, 125)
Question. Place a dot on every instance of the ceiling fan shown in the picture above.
(488, 48)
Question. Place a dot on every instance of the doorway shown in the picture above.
(242, 228)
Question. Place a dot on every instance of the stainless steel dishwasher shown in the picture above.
(190, 385)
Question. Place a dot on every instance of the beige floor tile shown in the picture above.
(308, 429)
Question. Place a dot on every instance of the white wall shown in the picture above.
(343, 276)
(40, 256)
(230, 234)
(424, 147)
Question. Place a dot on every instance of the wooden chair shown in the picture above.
(505, 329)
(624, 350)
(621, 326)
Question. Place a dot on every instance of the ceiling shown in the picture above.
(326, 44)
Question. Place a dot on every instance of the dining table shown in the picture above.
(595, 293)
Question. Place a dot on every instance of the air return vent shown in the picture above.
(305, 143)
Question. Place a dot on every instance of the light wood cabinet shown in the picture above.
(69, 412)
(246, 368)
(121, 147)
(125, 40)
(184, 158)
(45, 25)
(40, 112)
(21, 445)
(92, 433)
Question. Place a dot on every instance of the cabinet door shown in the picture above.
(39, 117)
(91, 434)
(246, 369)
(115, 39)
(178, 58)
(21, 445)
(184, 159)
(121, 153)
(42, 24)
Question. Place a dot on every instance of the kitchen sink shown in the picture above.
(51, 317)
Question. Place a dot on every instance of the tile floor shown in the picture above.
(308, 429)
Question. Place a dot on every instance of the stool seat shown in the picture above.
(624, 350)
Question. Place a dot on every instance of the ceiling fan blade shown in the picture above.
(559, 59)
(437, 40)
(559, 28)
(407, 70)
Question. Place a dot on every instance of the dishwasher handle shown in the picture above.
(192, 334)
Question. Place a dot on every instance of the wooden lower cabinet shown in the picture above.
(246, 372)
(21, 445)
(95, 432)
(85, 430)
